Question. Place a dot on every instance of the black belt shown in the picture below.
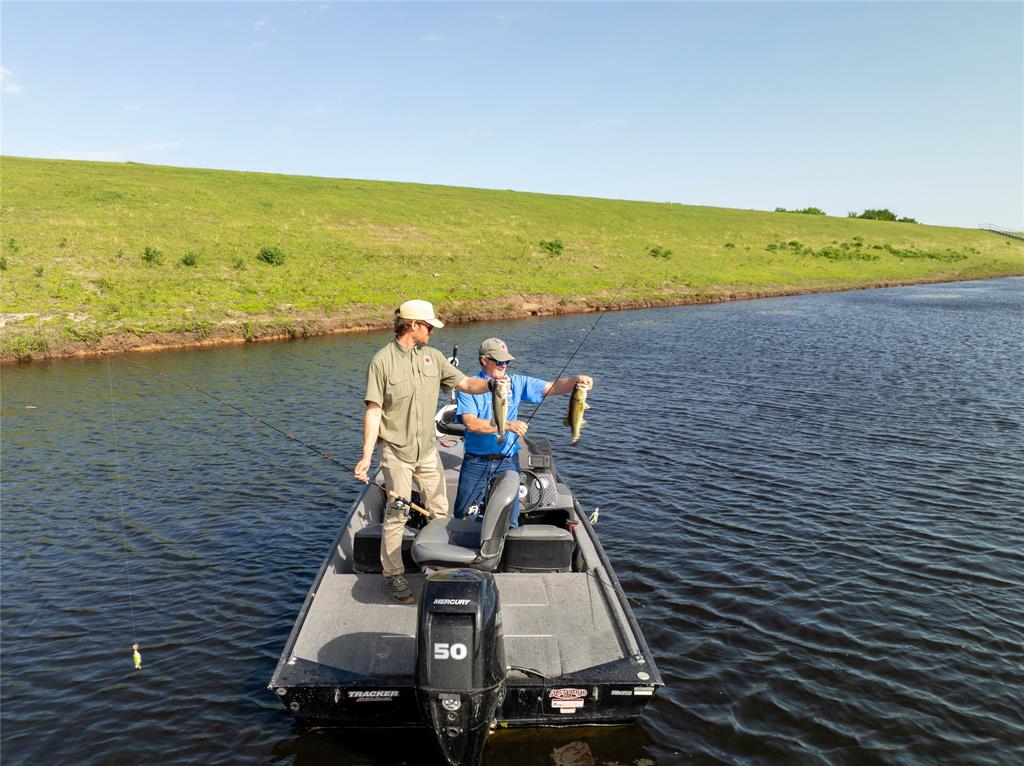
(489, 457)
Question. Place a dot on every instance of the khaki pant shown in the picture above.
(398, 476)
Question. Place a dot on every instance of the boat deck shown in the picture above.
(554, 623)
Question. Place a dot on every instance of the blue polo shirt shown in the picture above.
(523, 389)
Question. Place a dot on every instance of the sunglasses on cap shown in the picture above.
(500, 364)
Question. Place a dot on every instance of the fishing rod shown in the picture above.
(398, 499)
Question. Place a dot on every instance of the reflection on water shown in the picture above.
(817, 501)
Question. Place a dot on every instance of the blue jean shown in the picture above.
(475, 476)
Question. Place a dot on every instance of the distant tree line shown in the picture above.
(884, 214)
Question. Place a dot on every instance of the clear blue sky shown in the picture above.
(912, 106)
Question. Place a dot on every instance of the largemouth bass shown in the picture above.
(577, 404)
(499, 405)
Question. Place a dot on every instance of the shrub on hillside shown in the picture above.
(272, 255)
(3, 264)
(191, 258)
(804, 211)
(553, 246)
(844, 251)
(883, 214)
(933, 255)
(152, 255)
(659, 252)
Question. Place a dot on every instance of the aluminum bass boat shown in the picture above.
(525, 627)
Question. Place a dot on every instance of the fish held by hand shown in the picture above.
(499, 406)
(577, 404)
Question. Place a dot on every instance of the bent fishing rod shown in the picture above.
(398, 499)
(506, 452)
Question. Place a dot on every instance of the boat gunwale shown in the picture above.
(620, 593)
(300, 619)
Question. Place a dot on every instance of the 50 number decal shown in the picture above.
(450, 651)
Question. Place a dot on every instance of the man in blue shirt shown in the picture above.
(486, 457)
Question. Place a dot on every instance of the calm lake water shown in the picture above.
(816, 503)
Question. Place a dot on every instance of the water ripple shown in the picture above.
(814, 503)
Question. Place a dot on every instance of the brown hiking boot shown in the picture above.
(398, 588)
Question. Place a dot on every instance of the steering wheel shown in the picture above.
(531, 491)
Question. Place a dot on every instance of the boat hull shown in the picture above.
(526, 704)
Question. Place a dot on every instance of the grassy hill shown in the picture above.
(107, 256)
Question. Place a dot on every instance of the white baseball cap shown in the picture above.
(420, 311)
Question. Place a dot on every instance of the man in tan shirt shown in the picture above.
(403, 383)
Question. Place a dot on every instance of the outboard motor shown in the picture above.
(460, 660)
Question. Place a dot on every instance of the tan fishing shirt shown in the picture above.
(406, 384)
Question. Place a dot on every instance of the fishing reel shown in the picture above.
(416, 520)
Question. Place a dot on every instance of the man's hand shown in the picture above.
(517, 427)
(362, 470)
(585, 380)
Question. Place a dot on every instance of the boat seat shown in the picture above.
(538, 548)
(446, 423)
(366, 549)
(451, 542)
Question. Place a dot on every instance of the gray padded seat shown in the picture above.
(538, 548)
(451, 542)
(447, 424)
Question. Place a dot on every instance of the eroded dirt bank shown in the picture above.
(260, 329)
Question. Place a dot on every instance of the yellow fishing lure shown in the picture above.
(136, 657)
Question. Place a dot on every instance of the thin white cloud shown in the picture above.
(259, 24)
(131, 108)
(123, 154)
(282, 131)
(603, 123)
(92, 156)
(259, 46)
(431, 38)
(318, 110)
(165, 146)
(9, 85)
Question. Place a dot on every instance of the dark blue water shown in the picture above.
(816, 503)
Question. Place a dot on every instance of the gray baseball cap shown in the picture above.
(496, 349)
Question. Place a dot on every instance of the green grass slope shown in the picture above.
(74, 273)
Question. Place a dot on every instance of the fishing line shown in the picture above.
(611, 587)
(124, 531)
(290, 437)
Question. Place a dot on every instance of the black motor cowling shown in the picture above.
(460, 660)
